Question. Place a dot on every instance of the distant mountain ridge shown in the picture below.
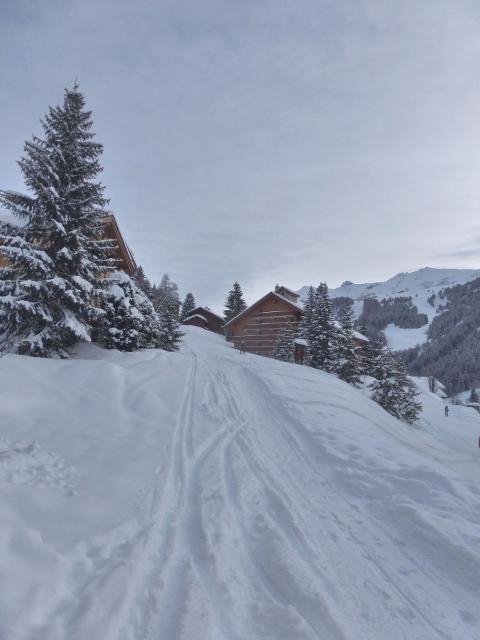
(423, 286)
(420, 285)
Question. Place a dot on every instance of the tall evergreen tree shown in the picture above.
(473, 396)
(306, 323)
(373, 352)
(165, 297)
(46, 295)
(285, 345)
(170, 335)
(322, 348)
(188, 305)
(234, 303)
(393, 390)
(348, 363)
(410, 407)
(142, 281)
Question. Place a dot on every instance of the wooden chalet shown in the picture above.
(121, 252)
(256, 329)
(205, 318)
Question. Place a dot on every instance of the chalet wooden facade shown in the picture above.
(206, 319)
(121, 253)
(256, 329)
(111, 231)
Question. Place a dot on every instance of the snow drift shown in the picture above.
(208, 494)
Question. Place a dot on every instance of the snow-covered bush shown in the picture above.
(130, 321)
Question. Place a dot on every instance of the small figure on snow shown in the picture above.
(242, 347)
(447, 410)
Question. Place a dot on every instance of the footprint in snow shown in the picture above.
(26, 463)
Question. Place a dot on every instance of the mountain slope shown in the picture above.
(211, 495)
(452, 353)
(419, 285)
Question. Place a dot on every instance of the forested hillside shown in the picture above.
(377, 315)
(452, 352)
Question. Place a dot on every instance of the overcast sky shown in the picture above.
(268, 141)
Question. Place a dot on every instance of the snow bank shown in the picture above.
(209, 494)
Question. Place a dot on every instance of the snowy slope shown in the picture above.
(420, 285)
(210, 495)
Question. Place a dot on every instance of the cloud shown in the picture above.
(466, 250)
(263, 141)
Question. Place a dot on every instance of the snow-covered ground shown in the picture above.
(420, 285)
(212, 495)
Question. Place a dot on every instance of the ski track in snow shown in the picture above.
(268, 523)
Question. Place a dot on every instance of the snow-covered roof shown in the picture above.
(207, 310)
(270, 293)
(294, 304)
(294, 293)
(301, 341)
(356, 334)
(196, 315)
(360, 336)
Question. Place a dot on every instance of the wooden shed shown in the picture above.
(256, 329)
(205, 318)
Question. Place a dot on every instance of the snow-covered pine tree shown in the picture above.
(323, 343)
(142, 281)
(165, 296)
(410, 407)
(473, 397)
(348, 365)
(188, 305)
(170, 335)
(372, 361)
(130, 321)
(47, 294)
(24, 299)
(393, 390)
(235, 303)
(385, 388)
(306, 323)
(285, 345)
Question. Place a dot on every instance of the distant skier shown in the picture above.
(446, 411)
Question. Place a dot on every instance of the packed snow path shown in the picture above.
(270, 501)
